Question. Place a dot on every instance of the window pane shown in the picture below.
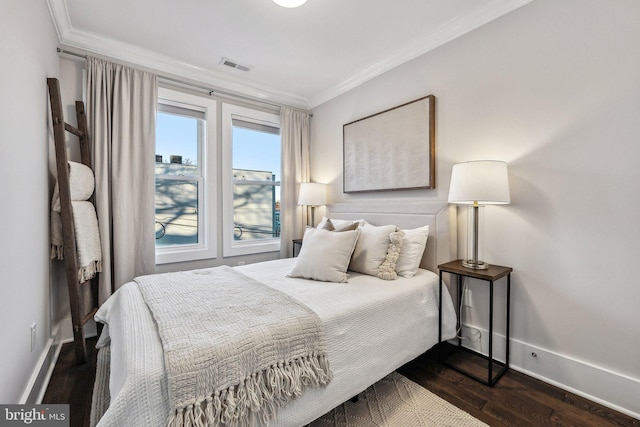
(177, 144)
(176, 212)
(186, 204)
(256, 178)
(178, 136)
(256, 215)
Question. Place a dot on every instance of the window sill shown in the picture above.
(249, 248)
(183, 254)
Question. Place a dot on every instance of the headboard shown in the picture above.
(442, 244)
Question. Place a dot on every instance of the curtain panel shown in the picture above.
(294, 128)
(121, 112)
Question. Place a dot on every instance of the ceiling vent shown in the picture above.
(229, 63)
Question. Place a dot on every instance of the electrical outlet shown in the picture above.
(467, 298)
(34, 325)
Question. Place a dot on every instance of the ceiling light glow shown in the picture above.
(289, 3)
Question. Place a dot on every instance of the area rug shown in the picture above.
(395, 401)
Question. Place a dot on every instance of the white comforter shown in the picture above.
(372, 327)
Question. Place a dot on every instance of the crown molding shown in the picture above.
(60, 17)
(123, 52)
(166, 66)
(438, 37)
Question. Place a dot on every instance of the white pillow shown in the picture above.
(413, 245)
(371, 248)
(325, 255)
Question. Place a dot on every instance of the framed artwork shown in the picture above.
(391, 150)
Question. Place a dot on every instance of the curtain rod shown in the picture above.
(195, 85)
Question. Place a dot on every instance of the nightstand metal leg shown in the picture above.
(459, 306)
(440, 308)
(490, 380)
(508, 316)
(440, 317)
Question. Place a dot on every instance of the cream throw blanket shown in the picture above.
(85, 222)
(234, 349)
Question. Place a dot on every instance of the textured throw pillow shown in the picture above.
(325, 255)
(328, 225)
(339, 223)
(413, 245)
(371, 248)
(387, 270)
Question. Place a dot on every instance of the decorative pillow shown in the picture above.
(340, 223)
(413, 245)
(387, 270)
(371, 248)
(325, 255)
(328, 225)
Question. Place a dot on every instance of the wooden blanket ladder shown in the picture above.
(80, 314)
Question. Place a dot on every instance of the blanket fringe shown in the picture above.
(84, 273)
(257, 397)
(89, 271)
(57, 252)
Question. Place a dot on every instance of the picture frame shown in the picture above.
(391, 150)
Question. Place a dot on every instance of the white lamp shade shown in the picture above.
(484, 181)
(289, 3)
(312, 194)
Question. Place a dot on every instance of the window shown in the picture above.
(185, 177)
(251, 181)
(187, 192)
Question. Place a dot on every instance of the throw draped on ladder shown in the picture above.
(74, 224)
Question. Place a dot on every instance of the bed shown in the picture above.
(372, 326)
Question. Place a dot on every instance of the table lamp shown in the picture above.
(312, 194)
(478, 183)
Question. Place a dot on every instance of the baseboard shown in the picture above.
(39, 380)
(604, 386)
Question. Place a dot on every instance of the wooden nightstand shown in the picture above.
(493, 273)
(297, 243)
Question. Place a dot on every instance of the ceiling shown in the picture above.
(300, 57)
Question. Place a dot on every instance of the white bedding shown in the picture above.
(372, 327)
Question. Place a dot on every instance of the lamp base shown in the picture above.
(476, 265)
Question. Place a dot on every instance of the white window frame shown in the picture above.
(232, 247)
(206, 248)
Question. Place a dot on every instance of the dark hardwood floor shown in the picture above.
(73, 384)
(516, 400)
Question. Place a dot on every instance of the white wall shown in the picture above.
(553, 89)
(28, 57)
